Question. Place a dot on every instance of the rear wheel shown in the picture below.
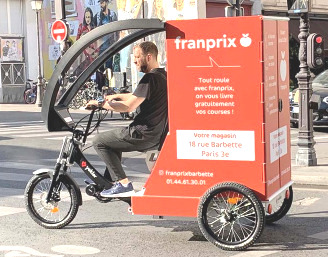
(231, 216)
(62, 207)
(29, 96)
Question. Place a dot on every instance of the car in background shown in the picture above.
(320, 88)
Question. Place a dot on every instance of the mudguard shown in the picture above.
(66, 177)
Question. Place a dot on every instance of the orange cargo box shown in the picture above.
(228, 88)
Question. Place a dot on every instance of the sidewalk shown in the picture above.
(314, 175)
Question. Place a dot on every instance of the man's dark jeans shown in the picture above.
(110, 144)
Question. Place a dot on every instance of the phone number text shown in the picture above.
(185, 182)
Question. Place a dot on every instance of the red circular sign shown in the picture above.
(59, 31)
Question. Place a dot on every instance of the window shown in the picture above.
(70, 8)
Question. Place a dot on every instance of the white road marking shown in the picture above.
(11, 192)
(19, 122)
(23, 251)
(10, 210)
(309, 189)
(15, 177)
(32, 166)
(26, 129)
(255, 253)
(22, 166)
(23, 128)
(44, 134)
(75, 249)
(34, 133)
(321, 236)
(306, 201)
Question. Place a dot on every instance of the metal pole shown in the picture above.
(40, 78)
(306, 155)
(60, 9)
(237, 8)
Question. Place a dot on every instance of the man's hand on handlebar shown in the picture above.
(110, 98)
(93, 104)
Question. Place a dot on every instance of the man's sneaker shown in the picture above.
(118, 190)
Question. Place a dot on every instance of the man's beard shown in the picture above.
(143, 68)
(143, 65)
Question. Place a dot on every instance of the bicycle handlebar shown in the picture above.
(87, 132)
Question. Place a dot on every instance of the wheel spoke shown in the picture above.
(221, 228)
(249, 212)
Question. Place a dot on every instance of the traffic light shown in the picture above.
(315, 51)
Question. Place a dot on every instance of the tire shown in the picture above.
(57, 213)
(317, 116)
(282, 209)
(29, 96)
(231, 216)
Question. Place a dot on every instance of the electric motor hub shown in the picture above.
(90, 190)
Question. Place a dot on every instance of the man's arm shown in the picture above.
(127, 103)
(122, 97)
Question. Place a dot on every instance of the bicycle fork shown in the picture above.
(61, 161)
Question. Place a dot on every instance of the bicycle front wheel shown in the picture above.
(62, 207)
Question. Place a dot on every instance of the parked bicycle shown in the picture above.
(89, 91)
(114, 90)
(31, 90)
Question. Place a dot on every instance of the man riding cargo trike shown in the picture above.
(223, 152)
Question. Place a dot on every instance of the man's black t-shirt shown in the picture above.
(152, 113)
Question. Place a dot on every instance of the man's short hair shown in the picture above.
(148, 47)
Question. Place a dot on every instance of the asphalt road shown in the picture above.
(109, 229)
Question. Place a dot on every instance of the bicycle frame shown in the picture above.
(71, 153)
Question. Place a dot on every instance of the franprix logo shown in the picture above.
(209, 44)
(91, 171)
(245, 41)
